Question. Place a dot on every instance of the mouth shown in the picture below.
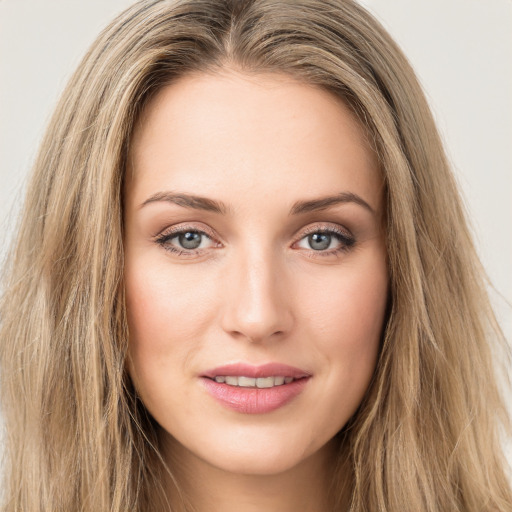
(253, 382)
(255, 389)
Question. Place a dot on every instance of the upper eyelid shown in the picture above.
(330, 227)
(299, 235)
(182, 229)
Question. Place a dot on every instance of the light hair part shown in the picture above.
(427, 435)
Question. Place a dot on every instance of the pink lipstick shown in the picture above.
(255, 389)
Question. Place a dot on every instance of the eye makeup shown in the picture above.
(318, 240)
(187, 236)
(317, 237)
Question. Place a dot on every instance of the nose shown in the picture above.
(257, 299)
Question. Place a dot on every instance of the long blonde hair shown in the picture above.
(427, 435)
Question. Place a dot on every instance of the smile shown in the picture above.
(252, 382)
(249, 389)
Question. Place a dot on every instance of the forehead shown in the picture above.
(256, 132)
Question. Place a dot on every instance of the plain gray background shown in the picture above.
(461, 50)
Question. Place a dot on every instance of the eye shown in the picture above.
(189, 240)
(185, 241)
(326, 241)
(320, 241)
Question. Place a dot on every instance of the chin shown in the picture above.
(256, 463)
(260, 453)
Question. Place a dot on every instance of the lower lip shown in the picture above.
(254, 400)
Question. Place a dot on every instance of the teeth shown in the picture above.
(232, 381)
(265, 382)
(246, 382)
(250, 382)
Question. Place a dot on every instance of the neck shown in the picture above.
(305, 487)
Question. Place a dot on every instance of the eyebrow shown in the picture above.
(188, 201)
(326, 202)
(299, 207)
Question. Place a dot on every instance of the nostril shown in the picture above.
(256, 307)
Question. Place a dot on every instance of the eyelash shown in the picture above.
(168, 235)
(346, 240)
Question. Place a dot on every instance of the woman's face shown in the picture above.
(256, 278)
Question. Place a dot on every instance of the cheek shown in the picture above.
(162, 303)
(346, 318)
(167, 312)
(349, 308)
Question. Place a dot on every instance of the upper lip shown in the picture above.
(249, 370)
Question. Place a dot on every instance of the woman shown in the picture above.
(236, 286)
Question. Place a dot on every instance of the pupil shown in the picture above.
(190, 240)
(319, 241)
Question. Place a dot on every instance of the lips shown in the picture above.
(253, 382)
(255, 389)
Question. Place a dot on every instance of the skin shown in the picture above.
(255, 290)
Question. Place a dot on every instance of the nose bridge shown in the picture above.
(256, 306)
